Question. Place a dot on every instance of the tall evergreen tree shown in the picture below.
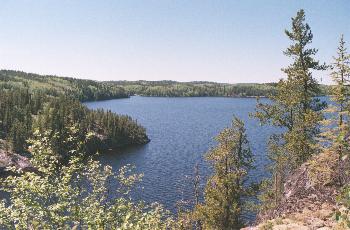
(340, 76)
(339, 110)
(231, 160)
(306, 108)
(294, 107)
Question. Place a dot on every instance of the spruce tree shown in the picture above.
(231, 160)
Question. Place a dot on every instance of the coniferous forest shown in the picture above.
(43, 118)
(31, 102)
(202, 89)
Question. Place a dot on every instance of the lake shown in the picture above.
(181, 132)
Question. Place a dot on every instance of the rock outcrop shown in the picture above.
(8, 158)
(301, 193)
(306, 203)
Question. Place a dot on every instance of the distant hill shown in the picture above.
(195, 89)
(90, 90)
(200, 89)
(31, 102)
(83, 90)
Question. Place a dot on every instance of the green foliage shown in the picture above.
(334, 140)
(73, 196)
(340, 76)
(343, 214)
(82, 90)
(336, 134)
(226, 192)
(266, 226)
(22, 109)
(194, 89)
(294, 107)
(16, 109)
(114, 130)
(201, 89)
(88, 90)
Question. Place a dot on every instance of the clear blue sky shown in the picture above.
(184, 40)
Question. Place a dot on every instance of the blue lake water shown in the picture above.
(181, 132)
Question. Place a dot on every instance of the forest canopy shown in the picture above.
(82, 90)
(49, 103)
(201, 89)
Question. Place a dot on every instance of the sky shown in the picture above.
(183, 40)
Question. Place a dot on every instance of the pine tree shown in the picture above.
(231, 160)
(307, 109)
(335, 136)
(294, 107)
(340, 76)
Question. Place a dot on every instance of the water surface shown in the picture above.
(181, 132)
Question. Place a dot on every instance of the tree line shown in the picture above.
(202, 89)
(82, 90)
(195, 89)
(306, 133)
(89, 90)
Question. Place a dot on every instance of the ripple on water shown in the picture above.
(181, 132)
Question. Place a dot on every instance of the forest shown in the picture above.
(31, 102)
(82, 90)
(201, 89)
(195, 89)
(76, 193)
